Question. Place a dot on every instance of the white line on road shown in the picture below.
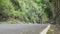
(45, 30)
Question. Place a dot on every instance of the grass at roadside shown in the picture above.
(50, 31)
(8, 22)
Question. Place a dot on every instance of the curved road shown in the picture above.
(22, 29)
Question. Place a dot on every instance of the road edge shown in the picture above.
(46, 29)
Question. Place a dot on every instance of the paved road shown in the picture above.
(22, 29)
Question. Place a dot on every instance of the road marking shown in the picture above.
(45, 30)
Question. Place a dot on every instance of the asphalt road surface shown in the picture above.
(22, 29)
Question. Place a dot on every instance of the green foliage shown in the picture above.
(6, 7)
(25, 10)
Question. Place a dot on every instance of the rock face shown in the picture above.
(56, 11)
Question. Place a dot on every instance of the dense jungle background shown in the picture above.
(29, 11)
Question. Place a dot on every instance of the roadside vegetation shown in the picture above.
(34, 11)
(29, 11)
(51, 31)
